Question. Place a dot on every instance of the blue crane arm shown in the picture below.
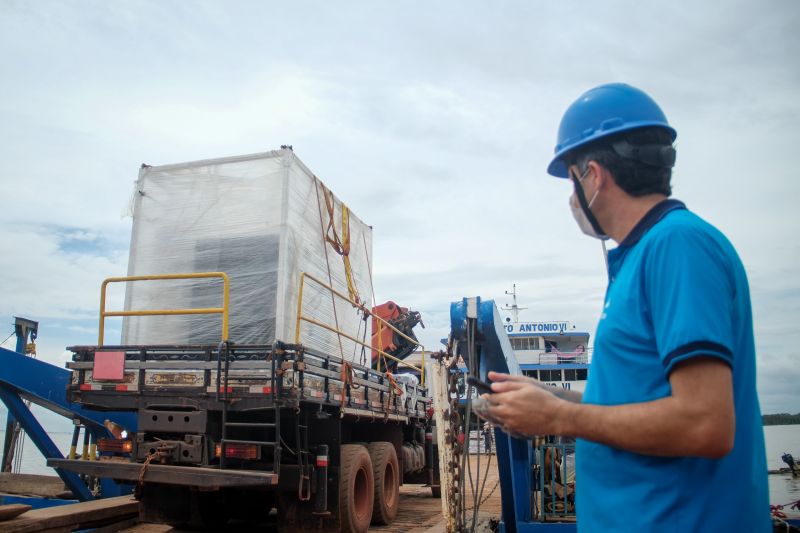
(479, 319)
(490, 334)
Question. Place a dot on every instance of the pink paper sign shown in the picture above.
(109, 366)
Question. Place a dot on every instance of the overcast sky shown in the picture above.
(434, 121)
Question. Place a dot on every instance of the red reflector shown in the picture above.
(222, 389)
(85, 386)
(267, 390)
(238, 451)
(121, 388)
(115, 445)
(322, 460)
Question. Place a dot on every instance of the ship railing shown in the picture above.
(550, 358)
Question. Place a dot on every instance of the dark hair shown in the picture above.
(632, 175)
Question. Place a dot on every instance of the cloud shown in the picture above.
(435, 122)
(46, 277)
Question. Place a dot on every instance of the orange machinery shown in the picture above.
(388, 340)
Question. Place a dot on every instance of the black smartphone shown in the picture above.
(481, 386)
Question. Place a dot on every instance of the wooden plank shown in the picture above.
(194, 476)
(74, 516)
(419, 512)
(150, 528)
(12, 510)
(116, 527)
(32, 485)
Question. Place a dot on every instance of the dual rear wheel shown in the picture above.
(369, 485)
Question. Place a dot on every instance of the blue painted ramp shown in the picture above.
(25, 378)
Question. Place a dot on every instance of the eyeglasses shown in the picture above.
(574, 175)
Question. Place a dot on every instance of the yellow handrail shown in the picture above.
(381, 323)
(224, 310)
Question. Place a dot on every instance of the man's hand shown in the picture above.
(524, 405)
(564, 394)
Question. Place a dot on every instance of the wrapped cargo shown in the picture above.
(262, 219)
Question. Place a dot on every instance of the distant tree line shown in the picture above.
(780, 419)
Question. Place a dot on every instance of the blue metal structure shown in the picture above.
(481, 321)
(25, 378)
(23, 329)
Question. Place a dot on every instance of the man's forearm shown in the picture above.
(697, 419)
(567, 394)
(664, 427)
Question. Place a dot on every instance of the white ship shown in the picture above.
(554, 352)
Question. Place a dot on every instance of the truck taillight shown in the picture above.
(237, 451)
(115, 445)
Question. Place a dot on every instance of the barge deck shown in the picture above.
(419, 513)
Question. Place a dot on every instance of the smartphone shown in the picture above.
(481, 386)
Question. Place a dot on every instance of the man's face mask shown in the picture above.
(581, 210)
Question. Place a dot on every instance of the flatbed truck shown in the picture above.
(234, 431)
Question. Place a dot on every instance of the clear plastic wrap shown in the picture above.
(260, 218)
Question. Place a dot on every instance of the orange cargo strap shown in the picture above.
(347, 379)
(396, 389)
(341, 245)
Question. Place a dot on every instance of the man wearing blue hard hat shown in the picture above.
(669, 426)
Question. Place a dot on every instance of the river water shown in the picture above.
(783, 488)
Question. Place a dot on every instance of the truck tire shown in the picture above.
(356, 489)
(386, 473)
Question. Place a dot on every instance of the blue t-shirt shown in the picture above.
(677, 290)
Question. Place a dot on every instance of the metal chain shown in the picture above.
(142, 471)
(457, 437)
(455, 440)
(486, 498)
(146, 463)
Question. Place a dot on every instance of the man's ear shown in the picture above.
(602, 177)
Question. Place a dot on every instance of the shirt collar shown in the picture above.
(656, 213)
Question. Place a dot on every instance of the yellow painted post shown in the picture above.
(226, 304)
(102, 326)
(85, 449)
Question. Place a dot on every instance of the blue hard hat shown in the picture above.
(600, 112)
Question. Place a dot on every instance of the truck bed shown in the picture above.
(243, 376)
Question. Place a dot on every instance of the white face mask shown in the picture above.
(580, 215)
